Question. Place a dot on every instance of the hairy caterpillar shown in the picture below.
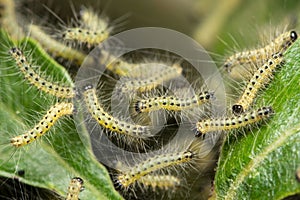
(85, 36)
(153, 186)
(53, 114)
(151, 80)
(75, 187)
(228, 123)
(279, 45)
(155, 163)
(54, 47)
(260, 78)
(35, 79)
(92, 29)
(132, 71)
(172, 103)
(109, 122)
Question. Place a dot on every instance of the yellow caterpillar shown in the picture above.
(259, 79)
(171, 103)
(34, 78)
(54, 47)
(257, 56)
(53, 114)
(229, 123)
(109, 122)
(86, 36)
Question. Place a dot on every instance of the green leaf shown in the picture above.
(262, 163)
(58, 156)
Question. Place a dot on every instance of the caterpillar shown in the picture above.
(153, 164)
(53, 114)
(109, 122)
(132, 71)
(172, 103)
(279, 45)
(75, 187)
(229, 123)
(129, 85)
(92, 29)
(42, 84)
(260, 78)
(85, 36)
(54, 47)
(162, 161)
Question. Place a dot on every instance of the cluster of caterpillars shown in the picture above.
(151, 172)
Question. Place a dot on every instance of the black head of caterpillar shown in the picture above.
(237, 109)
(293, 37)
